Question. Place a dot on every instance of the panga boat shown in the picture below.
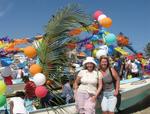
(132, 91)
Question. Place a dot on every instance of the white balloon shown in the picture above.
(100, 53)
(104, 47)
(101, 17)
(39, 79)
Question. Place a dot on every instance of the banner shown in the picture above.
(122, 51)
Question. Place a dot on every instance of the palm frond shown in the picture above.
(52, 48)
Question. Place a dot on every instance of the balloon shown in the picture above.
(110, 49)
(97, 14)
(89, 46)
(103, 50)
(106, 22)
(2, 100)
(110, 38)
(41, 91)
(34, 69)
(30, 51)
(101, 17)
(100, 53)
(94, 52)
(2, 87)
(39, 79)
(104, 47)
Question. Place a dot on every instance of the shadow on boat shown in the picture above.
(145, 103)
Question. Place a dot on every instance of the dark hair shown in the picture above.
(20, 94)
(64, 79)
(25, 78)
(104, 57)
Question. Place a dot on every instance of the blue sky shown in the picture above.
(27, 18)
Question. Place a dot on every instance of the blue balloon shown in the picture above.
(110, 38)
(110, 49)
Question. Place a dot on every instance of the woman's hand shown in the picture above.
(75, 93)
(115, 93)
(93, 98)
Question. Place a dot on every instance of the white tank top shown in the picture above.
(18, 105)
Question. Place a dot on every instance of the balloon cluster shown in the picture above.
(39, 80)
(103, 20)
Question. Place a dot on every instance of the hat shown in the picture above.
(89, 60)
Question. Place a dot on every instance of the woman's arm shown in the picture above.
(11, 107)
(76, 83)
(99, 87)
(116, 77)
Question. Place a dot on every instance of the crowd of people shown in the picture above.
(96, 82)
(128, 68)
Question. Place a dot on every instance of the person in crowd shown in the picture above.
(47, 101)
(20, 73)
(26, 71)
(110, 88)
(90, 86)
(139, 66)
(29, 88)
(134, 69)
(67, 92)
(119, 66)
(6, 73)
(17, 104)
(51, 100)
(128, 68)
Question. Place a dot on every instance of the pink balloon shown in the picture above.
(41, 91)
(97, 14)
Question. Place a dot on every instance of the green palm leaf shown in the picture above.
(52, 48)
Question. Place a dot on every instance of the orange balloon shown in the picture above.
(106, 22)
(34, 69)
(30, 51)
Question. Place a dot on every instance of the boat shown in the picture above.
(132, 91)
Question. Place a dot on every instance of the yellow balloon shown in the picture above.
(94, 52)
(2, 87)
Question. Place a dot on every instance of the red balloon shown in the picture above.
(89, 46)
(97, 14)
(41, 91)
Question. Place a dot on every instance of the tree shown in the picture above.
(147, 49)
